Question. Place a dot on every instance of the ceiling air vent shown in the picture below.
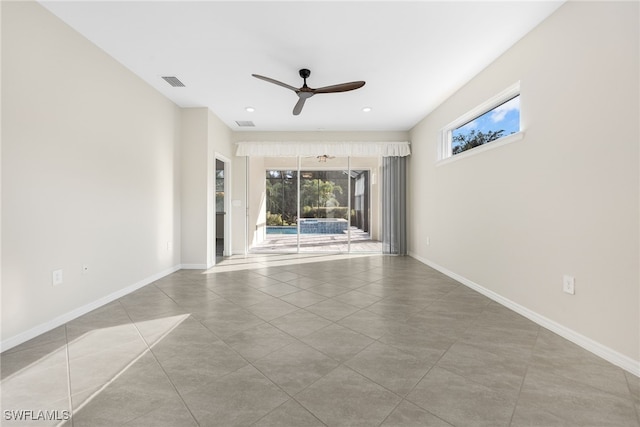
(245, 123)
(173, 81)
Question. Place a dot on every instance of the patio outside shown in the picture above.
(360, 242)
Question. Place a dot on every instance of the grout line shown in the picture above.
(392, 411)
(247, 361)
(634, 402)
(149, 347)
(281, 405)
(524, 377)
(66, 345)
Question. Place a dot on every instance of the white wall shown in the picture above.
(219, 144)
(90, 174)
(194, 157)
(203, 136)
(565, 199)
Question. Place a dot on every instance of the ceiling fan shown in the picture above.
(306, 92)
(324, 158)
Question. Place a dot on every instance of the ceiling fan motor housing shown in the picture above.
(304, 73)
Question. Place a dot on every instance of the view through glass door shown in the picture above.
(220, 209)
(325, 204)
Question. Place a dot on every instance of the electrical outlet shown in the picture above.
(56, 277)
(85, 269)
(428, 241)
(569, 284)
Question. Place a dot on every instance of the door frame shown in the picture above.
(227, 251)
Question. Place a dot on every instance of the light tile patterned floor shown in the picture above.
(313, 340)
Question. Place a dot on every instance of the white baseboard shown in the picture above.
(608, 354)
(73, 314)
(193, 266)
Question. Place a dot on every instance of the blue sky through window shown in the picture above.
(505, 116)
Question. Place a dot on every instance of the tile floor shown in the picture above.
(312, 341)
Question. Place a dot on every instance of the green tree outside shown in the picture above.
(472, 139)
(318, 198)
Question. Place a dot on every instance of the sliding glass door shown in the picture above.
(316, 204)
(324, 204)
(280, 207)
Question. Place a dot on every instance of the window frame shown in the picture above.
(445, 154)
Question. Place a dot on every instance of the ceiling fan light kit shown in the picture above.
(306, 92)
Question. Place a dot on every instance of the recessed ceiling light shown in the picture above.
(250, 109)
(366, 109)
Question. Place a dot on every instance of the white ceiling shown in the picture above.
(413, 55)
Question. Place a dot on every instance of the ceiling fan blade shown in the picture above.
(343, 87)
(270, 80)
(298, 108)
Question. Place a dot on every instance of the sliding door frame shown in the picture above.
(298, 194)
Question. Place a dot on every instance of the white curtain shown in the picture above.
(338, 149)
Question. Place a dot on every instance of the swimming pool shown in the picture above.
(313, 226)
(288, 229)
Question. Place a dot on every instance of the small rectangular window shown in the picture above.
(495, 119)
(494, 124)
